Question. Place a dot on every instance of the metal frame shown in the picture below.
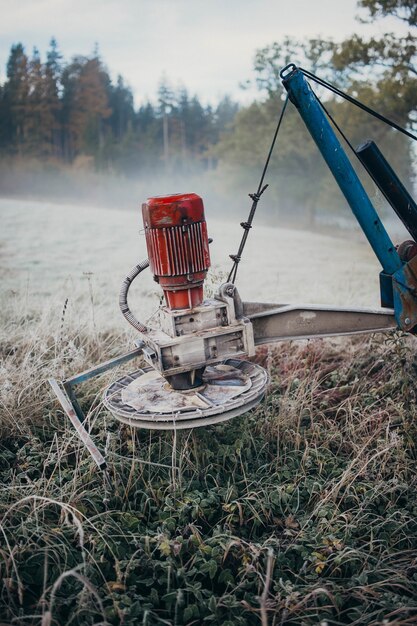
(274, 322)
(398, 278)
(69, 402)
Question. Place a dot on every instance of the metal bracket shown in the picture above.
(69, 402)
(404, 283)
(272, 322)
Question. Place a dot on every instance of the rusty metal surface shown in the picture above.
(404, 283)
(178, 247)
(407, 250)
(143, 398)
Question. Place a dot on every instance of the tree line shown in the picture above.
(59, 112)
(380, 71)
(54, 110)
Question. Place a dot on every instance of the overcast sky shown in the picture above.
(206, 45)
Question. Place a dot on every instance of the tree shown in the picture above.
(390, 66)
(312, 53)
(120, 99)
(389, 62)
(196, 128)
(52, 89)
(4, 122)
(16, 93)
(380, 72)
(54, 110)
(166, 102)
(34, 123)
(41, 121)
(405, 10)
(85, 105)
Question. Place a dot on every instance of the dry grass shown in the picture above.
(302, 512)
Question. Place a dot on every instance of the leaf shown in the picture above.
(212, 568)
(212, 604)
(190, 612)
(226, 577)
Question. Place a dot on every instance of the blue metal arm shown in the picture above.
(398, 278)
(320, 129)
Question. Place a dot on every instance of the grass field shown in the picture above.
(302, 512)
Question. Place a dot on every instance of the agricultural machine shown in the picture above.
(197, 370)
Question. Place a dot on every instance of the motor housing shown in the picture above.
(178, 247)
(192, 332)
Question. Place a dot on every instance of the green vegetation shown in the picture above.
(380, 71)
(302, 512)
(60, 120)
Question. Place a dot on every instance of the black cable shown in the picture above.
(358, 103)
(335, 124)
(255, 199)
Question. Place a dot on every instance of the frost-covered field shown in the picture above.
(51, 252)
(301, 512)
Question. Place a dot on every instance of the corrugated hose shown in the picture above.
(124, 290)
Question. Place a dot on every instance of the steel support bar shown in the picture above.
(81, 431)
(320, 129)
(74, 400)
(272, 322)
(103, 367)
(69, 402)
(69, 383)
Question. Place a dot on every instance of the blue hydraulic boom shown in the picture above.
(398, 278)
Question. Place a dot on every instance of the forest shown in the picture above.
(58, 111)
(58, 116)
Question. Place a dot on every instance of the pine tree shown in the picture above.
(52, 87)
(166, 102)
(122, 110)
(7, 137)
(85, 106)
(34, 122)
(16, 95)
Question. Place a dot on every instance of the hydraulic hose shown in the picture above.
(124, 290)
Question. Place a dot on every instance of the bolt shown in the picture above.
(407, 320)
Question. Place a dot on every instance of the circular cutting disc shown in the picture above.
(144, 398)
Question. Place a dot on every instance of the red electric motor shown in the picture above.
(178, 247)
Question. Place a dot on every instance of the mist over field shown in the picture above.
(75, 234)
(51, 252)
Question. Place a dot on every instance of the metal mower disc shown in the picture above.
(145, 400)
